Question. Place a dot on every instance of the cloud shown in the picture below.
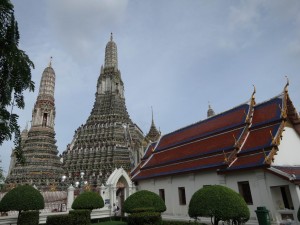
(76, 23)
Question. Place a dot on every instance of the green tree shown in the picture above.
(83, 205)
(15, 75)
(144, 201)
(145, 207)
(88, 200)
(22, 198)
(220, 204)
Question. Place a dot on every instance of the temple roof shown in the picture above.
(241, 138)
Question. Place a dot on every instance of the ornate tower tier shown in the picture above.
(108, 139)
(42, 166)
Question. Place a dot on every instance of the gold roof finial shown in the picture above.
(254, 90)
(287, 84)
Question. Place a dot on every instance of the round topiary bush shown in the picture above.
(219, 203)
(23, 198)
(88, 200)
(142, 201)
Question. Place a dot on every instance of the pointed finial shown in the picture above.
(254, 89)
(111, 36)
(152, 113)
(287, 84)
(209, 107)
(50, 63)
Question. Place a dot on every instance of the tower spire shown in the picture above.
(47, 83)
(153, 133)
(210, 111)
(111, 54)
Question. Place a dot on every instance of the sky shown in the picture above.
(177, 56)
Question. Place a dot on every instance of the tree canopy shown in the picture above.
(144, 201)
(15, 74)
(88, 200)
(219, 203)
(22, 198)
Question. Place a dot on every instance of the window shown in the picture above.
(44, 119)
(162, 193)
(181, 193)
(245, 192)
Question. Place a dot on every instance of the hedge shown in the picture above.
(145, 218)
(59, 220)
(29, 218)
(81, 216)
(172, 222)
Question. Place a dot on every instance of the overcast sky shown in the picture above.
(173, 55)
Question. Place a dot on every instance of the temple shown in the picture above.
(251, 148)
(42, 166)
(109, 139)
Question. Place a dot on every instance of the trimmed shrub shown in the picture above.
(144, 200)
(88, 200)
(22, 198)
(219, 203)
(80, 216)
(145, 218)
(29, 218)
(59, 220)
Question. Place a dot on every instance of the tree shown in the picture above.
(15, 75)
(145, 207)
(144, 201)
(88, 200)
(219, 203)
(83, 205)
(22, 198)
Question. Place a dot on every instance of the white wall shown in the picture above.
(259, 180)
(289, 151)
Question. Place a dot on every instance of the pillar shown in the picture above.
(70, 197)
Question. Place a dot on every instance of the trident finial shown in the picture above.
(111, 36)
(50, 63)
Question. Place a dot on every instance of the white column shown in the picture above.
(70, 197)
(265, 194)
